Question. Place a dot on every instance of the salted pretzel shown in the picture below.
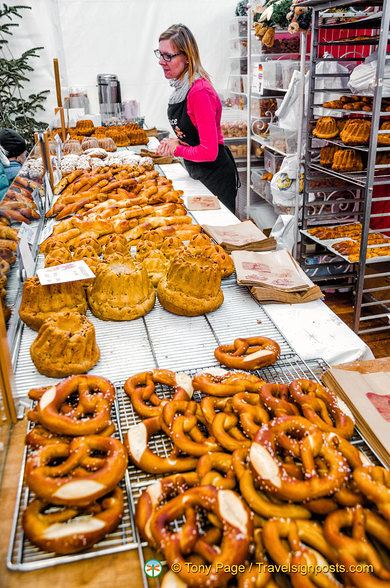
(79, 405)
(305, 442)
(155, 495)
(211, 468)
(219, 382)
(277, 400)
(262, 502)
(141, 390)
(357, 548)
(298, 545)
(137, 439)
(89, 468)
(374, 482)
(251, 411)
(257, 575)
(39, 436)
(72, 528)
(234, 536)
(320, 406)
(223, 425)
(252, 353)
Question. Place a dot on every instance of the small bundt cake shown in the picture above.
(107, 144)
(356, 132)
(65, 345)
(170, 246)
(144, 248)
(156, 264)
(116, 243)
(121, 291)
(327, 154)
(89, 143)
(385, 138)
(218, 254)
(88, 240)
(326, 128)
(192, 286)
(347, 160)
(382, 158)
(58, 256)
(155, 237)
(199, 240)
(39, 302)
(85, 127)
(136, 135)
(119, 137)
(84, 251)
(71, 146)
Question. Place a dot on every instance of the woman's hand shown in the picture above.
(167, 147)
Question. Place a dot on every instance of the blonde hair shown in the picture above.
(185, 43)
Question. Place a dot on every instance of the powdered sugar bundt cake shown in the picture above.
(107, 144)
(121, 291)
(191, 287)
(326, 128)
(65, 345)
(39, 302)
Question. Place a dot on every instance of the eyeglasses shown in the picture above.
(166, 56)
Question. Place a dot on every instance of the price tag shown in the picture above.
(47, 231)
(49, 191)
(66, 272)
(37, 199)
(26, 261)
(29, 231)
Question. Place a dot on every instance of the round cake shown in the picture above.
(218, 254)
(116, 243)
(58, 256)
(121, 291)
(89, 143)
(71, 146)
(65, 345)
(347, 160)
(84, 127)
(156, 264)
(107, 144)
(39, 302)
(191, 287)
(326, 128)
(119, 137)
(356, 132)
(385, 138)
(171, 246)
(327, 154)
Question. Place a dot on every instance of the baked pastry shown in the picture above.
(382, 158)
(136, 135)
(326, 128)
(121, 291)
(333, 104)
(89, 143)
(385, 138)
(84, 127)
(65, 345)
(356, 132)
(6, 309)
(39, 302)
(116, 243)
(191, 287)
(107, 144)
(156, 264)
(218, 254)
(327, 154)
(347, 160)
(119, 137)
(58, 256)
(71, 146)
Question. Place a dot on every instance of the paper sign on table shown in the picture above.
(203, 202)
(30, 231)
(66, 272)
(244, 235)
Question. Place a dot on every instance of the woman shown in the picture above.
(194, 112)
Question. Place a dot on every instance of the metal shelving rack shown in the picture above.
(368, 279)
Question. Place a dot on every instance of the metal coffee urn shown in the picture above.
(110, 100)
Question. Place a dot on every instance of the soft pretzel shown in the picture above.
(305, 442)
(320, 406)
(252, 353)
(39, 436)
(72, 528)
(79, 405)
(137, 439)
(219, 382)
(374, 482)
(81, 477)
(357, 548)
(251, 410)
(141, 390)
(234, 537)
(259, 501)
(210, 468)
(157, 494)
(223, 424)
(276, 398)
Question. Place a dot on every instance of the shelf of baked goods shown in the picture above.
(354, 104)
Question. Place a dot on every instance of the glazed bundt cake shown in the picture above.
(107, 144)
(385, 138)
(170, 246)
(347, 160)
(116, 243)
(71, 146)
(65, 345)
(191, 287)
(89, 143)
(121, 291)
(218, 254)
(326, 128)
(84, 127)
(119, 137)
(39, 302)
(58, 256)
(327, 154)
(356, 132)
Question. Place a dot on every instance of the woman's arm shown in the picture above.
(203, 108)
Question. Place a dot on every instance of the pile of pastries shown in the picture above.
(120, 135)
(257, 473)
(73, 466)
(351, 230)
(234, 129)
(350, 246)
(351, 102)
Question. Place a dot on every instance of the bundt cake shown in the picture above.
(39, 302)
(121, 291)
(382, 158)
(71, 146)
(58, 256)
(116, 243)
(65, 345)
(200, 240)
(156, 264)
(89, 240)
(107, 144)
(119, 137)
(3, 293)
(136, 135)
(356, 132)
(385, 138)
(84, 127)
(89, 143)
(170, 246)
(218, 254)
(347, 160)
(327, 154)
(144, 248)
(326, 128)
(192, 286)
(84, 251)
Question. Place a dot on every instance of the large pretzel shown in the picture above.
(223, 424)
(305, 442)
(374, 482)
(261, 502)
(357, 548)
(141, 390)
(220, 382)
(211, 467)
(257, 575)
(252, 353)
(320, 406)
(79, 405)
(81, 477)
(252, 412)
(185, 545)
(276, 398)
(39, 436)
(72, 528)
(137, 443)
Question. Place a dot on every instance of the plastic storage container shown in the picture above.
(284, 42)
(260, 186)
(239, 66)
(234, 129)
(238, 83)
(264, 107)
(282, 139)
(272, 161)
(238, 27)
(272, 75)
(288, 68)
(238, 47)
